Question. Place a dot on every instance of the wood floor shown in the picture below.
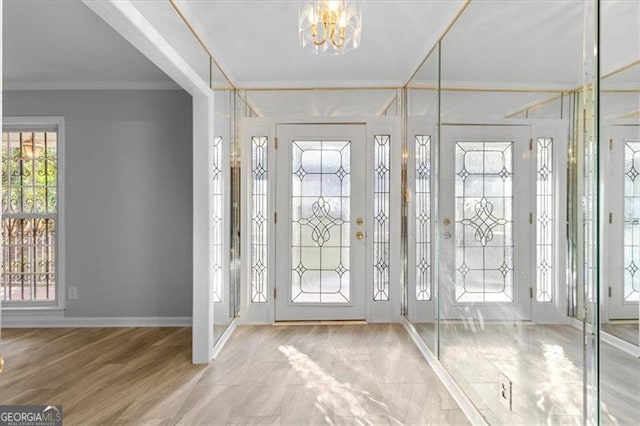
(294, 375)
(627, 331)
(545, 364)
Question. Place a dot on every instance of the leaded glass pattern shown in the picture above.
(631, 221)
(216, 219)
(259, 214)
(484, 221)
(29, 216)
(381, 212)
(320, 222)
(589, 213)
(544, 220)
(423, 216)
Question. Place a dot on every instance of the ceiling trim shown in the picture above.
(535, 105)
(444, 33)
(92, 85)
(490, 86)
(191, 27)
(621, 69)
(315, 85)
(127, 20)
(632, 114)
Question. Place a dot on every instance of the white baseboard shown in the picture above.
(57, 320)
(222, 340)
(473, 415)
(610, 339)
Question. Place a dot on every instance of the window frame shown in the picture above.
(29, 123)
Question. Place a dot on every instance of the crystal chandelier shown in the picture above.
(330, 27)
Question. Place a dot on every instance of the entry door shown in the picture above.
(624, 196)
(485, 226)
(320, 231)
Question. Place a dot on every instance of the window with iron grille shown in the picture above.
(30, 176)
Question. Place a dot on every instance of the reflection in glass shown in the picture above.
(631, 221)
(484, 222)
(320, 222)
(216, 219)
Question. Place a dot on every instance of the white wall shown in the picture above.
(128, 198)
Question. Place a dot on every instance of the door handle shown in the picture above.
(359, 235)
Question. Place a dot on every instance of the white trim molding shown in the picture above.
(608, 338)
(127, 20)
(91, 85)
(54, 318)
(224, 338)
(473, 414)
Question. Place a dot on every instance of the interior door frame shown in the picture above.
(378, 311)
(354, 309)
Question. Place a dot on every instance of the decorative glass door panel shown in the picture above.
(624, 233)
(485, 224)
(321, 235)
(320, 222)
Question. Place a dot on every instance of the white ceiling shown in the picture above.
(524, 44)
(256, 42)
(64, 45)
(529, 44)
(322, 103)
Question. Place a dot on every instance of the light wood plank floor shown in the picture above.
(627, 331)
(295, 375)
(545, 363)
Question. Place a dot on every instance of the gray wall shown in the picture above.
(128, 204)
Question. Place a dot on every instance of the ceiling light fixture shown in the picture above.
(330, 27)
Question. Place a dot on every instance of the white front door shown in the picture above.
(485, 224)
(624, 224)
(320, 252)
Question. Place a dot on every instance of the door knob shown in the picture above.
(359, 235)
(359, 221)
(447, 235)
(446, 221)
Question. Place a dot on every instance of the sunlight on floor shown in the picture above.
(334, 395)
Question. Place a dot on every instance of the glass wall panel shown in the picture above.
(619, 107)
(222, 185)
(421, 147)
(510, 102)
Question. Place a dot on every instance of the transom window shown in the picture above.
(29, 215)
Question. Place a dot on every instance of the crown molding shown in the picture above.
(91, 85)
(200, 31)
(324, 85)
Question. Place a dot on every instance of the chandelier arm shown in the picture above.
(340, 42)
(314, 35)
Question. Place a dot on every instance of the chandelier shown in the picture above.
(330, 27)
